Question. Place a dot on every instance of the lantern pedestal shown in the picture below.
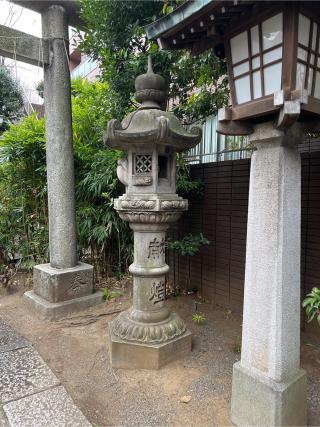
(269, 386)
(131, 355)
(148, 335)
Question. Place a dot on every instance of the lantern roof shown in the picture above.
(150, 124)
(72, 8)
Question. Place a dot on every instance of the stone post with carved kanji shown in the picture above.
(148, 335)
(64, 285)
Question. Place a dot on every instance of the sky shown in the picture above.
(29, 22)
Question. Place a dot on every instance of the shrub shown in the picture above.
(312, 305)
(11, 101)
(23, 204)
(186, 186)
(103, 238)
(198, 318)
(188, 245)
(102, 235)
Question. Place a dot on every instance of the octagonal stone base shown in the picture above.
(132, 355)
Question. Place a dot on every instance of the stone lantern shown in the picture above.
(274, 68)
(148, 335)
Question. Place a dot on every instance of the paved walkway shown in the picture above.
(30, 394)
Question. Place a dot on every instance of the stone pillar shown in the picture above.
(60, 168)
(269, 388)
(64, 285)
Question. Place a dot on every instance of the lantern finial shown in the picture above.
(150, 69)
(151, 89)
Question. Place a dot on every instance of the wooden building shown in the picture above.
(217, 271)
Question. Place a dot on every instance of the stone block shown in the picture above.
(260, 401)
(62, 284)
(58, 310)
(49, 408)
(10, 339)
(132, 355)
(22, 373)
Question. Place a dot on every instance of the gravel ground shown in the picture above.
(77, 351)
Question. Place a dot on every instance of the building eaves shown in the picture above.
(203, 24)
(179, 15)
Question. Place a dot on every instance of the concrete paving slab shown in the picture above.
(23, 372)
(50, 408)
(10, 339)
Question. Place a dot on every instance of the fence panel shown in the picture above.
(217, 271)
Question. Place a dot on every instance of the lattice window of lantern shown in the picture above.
(143, 163)
(256, 57)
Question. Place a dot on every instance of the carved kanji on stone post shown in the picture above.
(64, 285)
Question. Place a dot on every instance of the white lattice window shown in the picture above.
(143, 163)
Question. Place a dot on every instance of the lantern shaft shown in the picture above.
(148, 335)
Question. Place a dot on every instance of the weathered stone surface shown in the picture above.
(169, 326)
(30, 394)
(64, 279)
(269, 387)
(133, 355)
(62, 284)
(23, 46)
(23, 372)
(271, 336)
(155, 202)
(3, 419)
(10, 339)
(148, 335)
(50, 408)
(54, 311)
(59, 147)
(260, 401)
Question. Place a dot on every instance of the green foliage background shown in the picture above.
(102, 236)
(11, 101)
(115, 36)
